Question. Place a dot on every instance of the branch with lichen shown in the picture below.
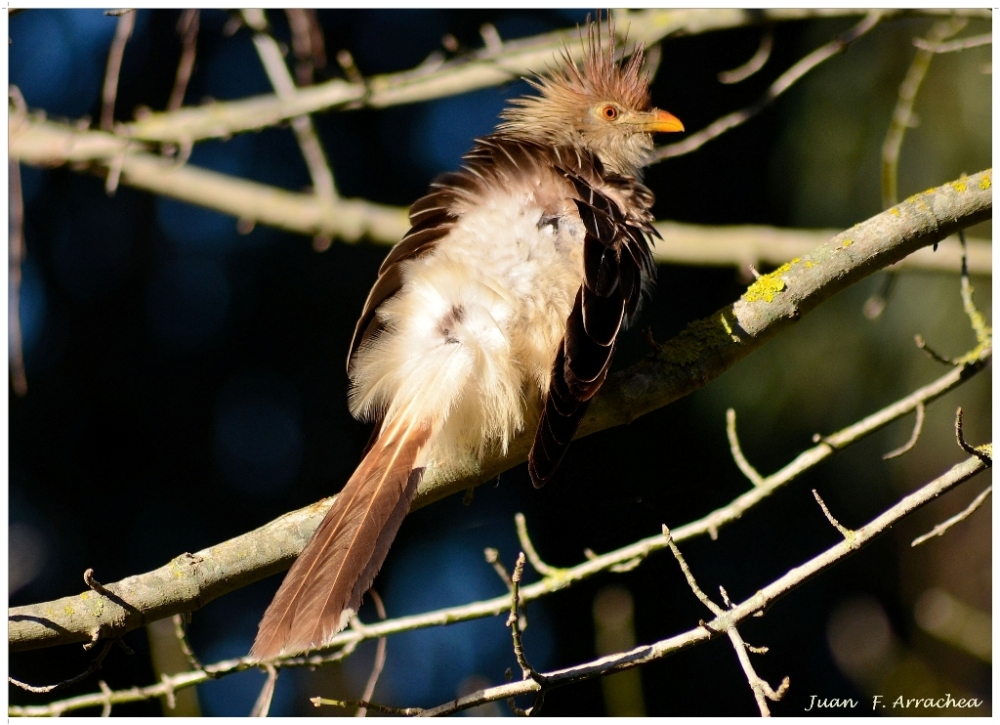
(700, 353)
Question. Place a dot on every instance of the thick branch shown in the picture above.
(704, 350)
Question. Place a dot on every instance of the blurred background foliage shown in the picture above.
(186, 382)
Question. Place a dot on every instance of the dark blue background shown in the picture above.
(186, 382)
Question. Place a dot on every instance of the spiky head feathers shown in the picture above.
(604, 106)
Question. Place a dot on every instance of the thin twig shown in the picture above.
(263, 704)
(918, 426)
(983, 331)
(982, 452)
(493, 559)
(941, 528)
(734, 448)
(756, 62)
(374, 706)
(123, 31)
(785, 81)
(187, 28)
(307, 43)
(647, 653)
(902, 115)
(844, 531)
(606, 665)
(16, 254)
(692, 583)
(284, 86)
(513, 621)
(94, 666)
(379, 662)
(762, 690)
(973, 41)
(180, 631)
(529, 548)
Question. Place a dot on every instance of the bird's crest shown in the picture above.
(602, 77)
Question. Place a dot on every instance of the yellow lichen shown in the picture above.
(958, 185)
(985, 182)
(768, 285)
(894, 211)
(847, 243)
(809, 265)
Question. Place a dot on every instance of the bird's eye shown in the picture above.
(610, 113)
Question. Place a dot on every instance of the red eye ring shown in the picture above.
(610, 113)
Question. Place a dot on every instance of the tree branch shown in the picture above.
(704, 350)
(484, 68)
(44, 143)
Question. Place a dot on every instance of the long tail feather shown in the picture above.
(325, 585)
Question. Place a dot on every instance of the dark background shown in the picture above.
(187, 384)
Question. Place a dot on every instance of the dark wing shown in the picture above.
(616, 259)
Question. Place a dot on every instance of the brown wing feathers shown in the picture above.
(616, 256)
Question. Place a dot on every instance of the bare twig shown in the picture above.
(785, 81)
(373, 706)
(734, 447)
(312, 151)
(187, 28)
(755, 63)
(180, 631)
(123, 31)
(493, 559)
(941, 528)
(263, 704)
(481, 69)
(730, 618)
(94, 666)
(918, 425)
(902, 115)
(973, 41)
(983, 331)
(762, 690)
(529, 548)
(379, 662)
(692, 582)
(982, 452)
(16, 254)
(844, 531)
(605, 665)
(307, 43)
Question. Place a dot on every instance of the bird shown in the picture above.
(498, 311)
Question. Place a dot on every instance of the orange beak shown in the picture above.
(662, 122)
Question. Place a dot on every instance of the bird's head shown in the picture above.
(604, 107)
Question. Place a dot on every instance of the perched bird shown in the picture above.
(498, 310)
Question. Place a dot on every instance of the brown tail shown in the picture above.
(325, 585)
